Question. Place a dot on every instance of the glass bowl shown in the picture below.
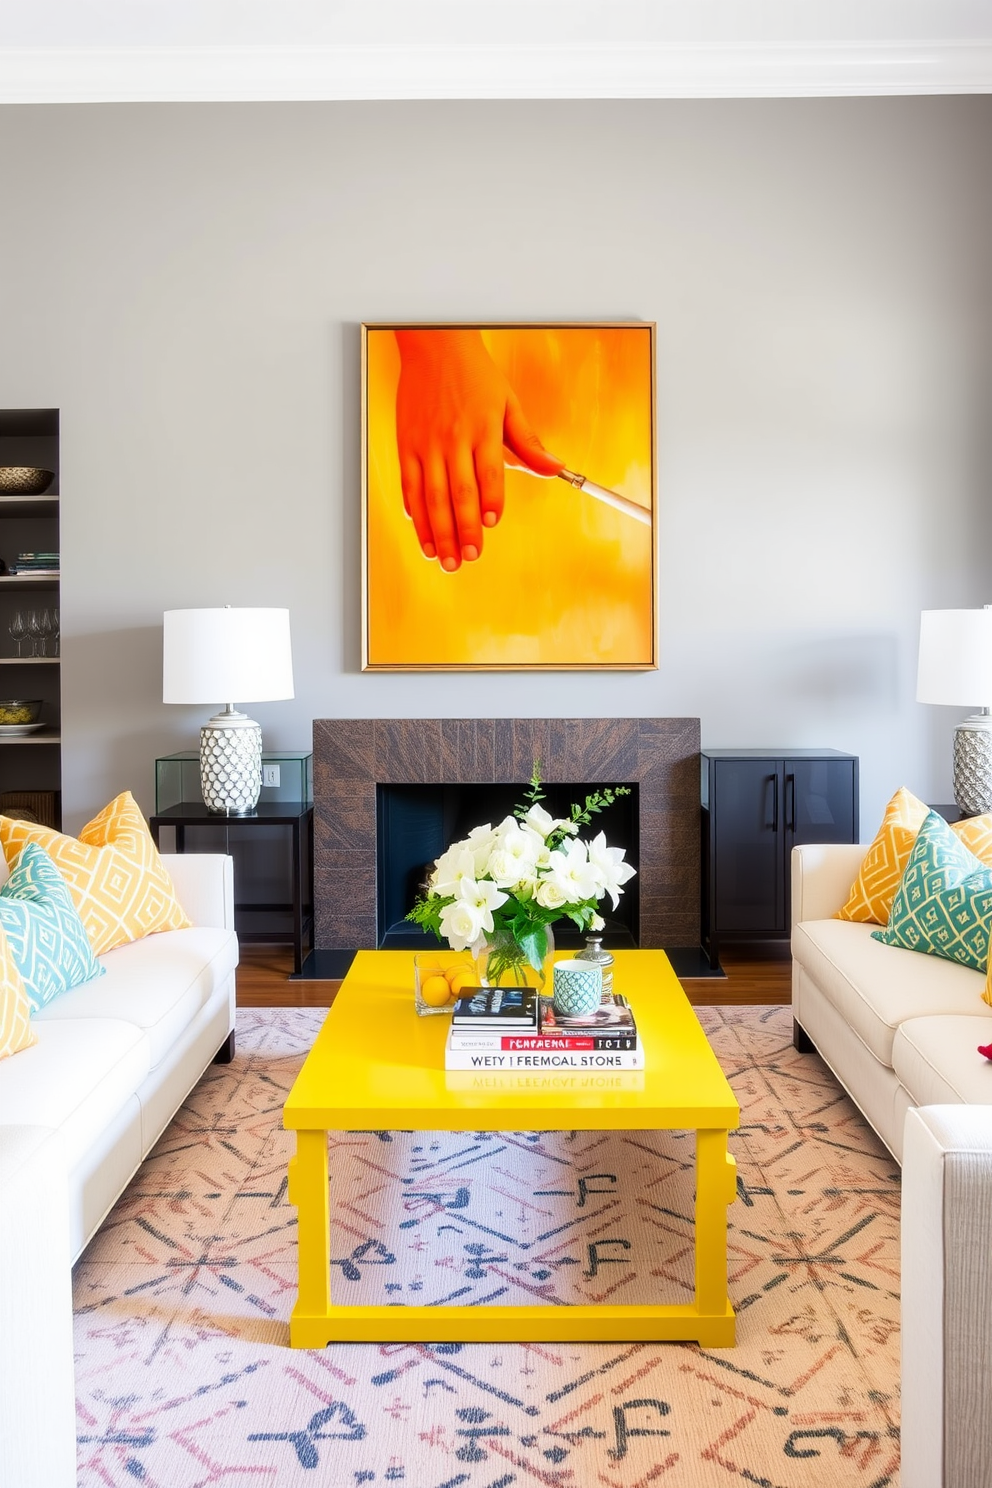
(434, 967)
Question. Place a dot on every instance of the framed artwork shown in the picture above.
(509, 497)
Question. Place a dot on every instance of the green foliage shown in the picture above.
(598, 801)
(533, 794)
(426, 913)
(579, 815)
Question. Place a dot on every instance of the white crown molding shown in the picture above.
(487, 71)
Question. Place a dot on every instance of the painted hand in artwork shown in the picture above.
(455, 412)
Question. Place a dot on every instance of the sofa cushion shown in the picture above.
(114, 873)
(158, 984)
(16, 1032)
(937, 1060)
(943, 906)
(75, 1079)
(43, 929)
(876, 987)
(877, 883)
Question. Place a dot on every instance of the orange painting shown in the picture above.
(509, 497)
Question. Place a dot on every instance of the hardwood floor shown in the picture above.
(263, 980)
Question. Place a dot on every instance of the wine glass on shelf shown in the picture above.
(56, 631)
(33, 624)
(44, 631)
(17, 630)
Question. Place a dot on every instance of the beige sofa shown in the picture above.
(900, 1031)
(79, 1110)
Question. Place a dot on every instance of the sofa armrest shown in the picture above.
(822, 875)
(37, 1388)
(947, 1297)
(204, 884)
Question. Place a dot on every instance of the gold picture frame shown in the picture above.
(509, 496)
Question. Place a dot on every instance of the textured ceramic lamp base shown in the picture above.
(231, 767)
(973, 767)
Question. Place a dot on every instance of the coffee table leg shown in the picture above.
(308, 1190)
(716, 1188)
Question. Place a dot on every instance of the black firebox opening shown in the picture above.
(415, 824)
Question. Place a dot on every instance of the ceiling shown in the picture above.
(57, 51)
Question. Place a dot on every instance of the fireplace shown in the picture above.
(415, 823)
(356, 760)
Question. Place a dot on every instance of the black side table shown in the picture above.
(298, 816)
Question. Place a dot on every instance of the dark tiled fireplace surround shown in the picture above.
(354, 755)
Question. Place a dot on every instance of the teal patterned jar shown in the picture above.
(578, 988)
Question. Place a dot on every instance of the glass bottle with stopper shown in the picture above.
(603, 959)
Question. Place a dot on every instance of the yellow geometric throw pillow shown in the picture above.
(874, 889)
(976, 834)
(115, 875)
(879, 876)
(16, 1032)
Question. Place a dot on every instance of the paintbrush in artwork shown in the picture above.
(599, 493)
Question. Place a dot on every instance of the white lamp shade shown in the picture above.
(226, 656)
(955, 658)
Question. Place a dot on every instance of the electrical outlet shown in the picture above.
(270, 774)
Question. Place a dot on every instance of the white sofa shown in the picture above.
(901, 1030)
(79, 1110)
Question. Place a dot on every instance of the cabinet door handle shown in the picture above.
(772, 780)
(790, 786)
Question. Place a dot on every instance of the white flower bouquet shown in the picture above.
(497, 891)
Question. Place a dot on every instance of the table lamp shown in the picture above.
(209, 655)
(956, 669)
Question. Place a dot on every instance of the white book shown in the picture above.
(543, 1061)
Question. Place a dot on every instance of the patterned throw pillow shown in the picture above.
(944, 903)
(976, 834)
(16, 1032)
(874, 889)
(44, 932)
(114, 873)
(878, 878)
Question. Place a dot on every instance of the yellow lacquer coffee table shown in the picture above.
(376, 1065)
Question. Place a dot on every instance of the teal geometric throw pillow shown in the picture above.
(45, 934)
(943, 905)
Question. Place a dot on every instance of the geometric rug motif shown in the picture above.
(184, 1377)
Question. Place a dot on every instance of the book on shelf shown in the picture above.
(496, 1008)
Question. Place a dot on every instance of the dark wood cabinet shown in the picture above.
(756, 806)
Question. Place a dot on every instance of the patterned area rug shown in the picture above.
(184, 1376)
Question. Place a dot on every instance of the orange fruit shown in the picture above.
(434, 990)
(461, 978)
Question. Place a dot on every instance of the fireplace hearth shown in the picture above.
(356, 761)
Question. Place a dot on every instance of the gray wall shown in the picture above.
(186, 283)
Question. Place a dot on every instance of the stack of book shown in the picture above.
(38, 565)
(511, 1028)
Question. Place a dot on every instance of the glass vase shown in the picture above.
(502, 962)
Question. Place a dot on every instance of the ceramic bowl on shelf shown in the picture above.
(24, 480)
(19, 710)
